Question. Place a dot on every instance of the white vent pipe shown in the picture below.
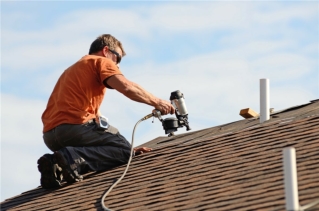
(290, 176)
(264, 100)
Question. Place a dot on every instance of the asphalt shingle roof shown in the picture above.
(236, 166)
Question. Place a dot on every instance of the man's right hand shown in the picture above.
(165, 107)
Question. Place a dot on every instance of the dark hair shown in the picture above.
(105, 40)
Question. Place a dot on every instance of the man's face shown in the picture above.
(116, 55)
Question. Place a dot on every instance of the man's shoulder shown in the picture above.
(95, 58)
(96, 63)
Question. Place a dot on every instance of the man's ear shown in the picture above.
(105, 50)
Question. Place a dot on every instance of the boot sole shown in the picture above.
(48, 179)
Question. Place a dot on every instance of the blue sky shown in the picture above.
(215, 52)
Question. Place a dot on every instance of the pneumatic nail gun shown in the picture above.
(171, 124)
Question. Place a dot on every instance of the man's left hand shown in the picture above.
(142, 150)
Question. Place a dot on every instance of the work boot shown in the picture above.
(50, 172)
(69, 174)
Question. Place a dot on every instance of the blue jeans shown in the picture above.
(88, 148)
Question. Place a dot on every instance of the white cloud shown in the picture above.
(21, 121)
(281, 13)
(35, 57)
(283, 66)
(289, 96)
(204, 16)
(122, 22)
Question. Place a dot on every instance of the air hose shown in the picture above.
(127, 166)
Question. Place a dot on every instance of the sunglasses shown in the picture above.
(118, 56)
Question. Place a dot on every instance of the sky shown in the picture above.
(214, 52)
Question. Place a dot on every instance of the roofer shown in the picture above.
(70, 118)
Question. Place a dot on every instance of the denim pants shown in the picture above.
(88, 148)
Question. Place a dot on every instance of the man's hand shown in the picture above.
(141, 150)
(165, 107)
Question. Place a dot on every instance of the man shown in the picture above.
(70, 118)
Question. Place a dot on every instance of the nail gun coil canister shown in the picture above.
(170, 125)
(177, 99)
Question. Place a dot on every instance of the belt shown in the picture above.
(89, 122)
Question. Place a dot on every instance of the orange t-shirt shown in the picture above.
(78, 94)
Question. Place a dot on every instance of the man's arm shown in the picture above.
(137, 93)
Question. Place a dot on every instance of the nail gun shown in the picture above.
(171, 124)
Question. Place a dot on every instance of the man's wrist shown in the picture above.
(155, 101)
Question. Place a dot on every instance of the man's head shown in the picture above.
(106, 43)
